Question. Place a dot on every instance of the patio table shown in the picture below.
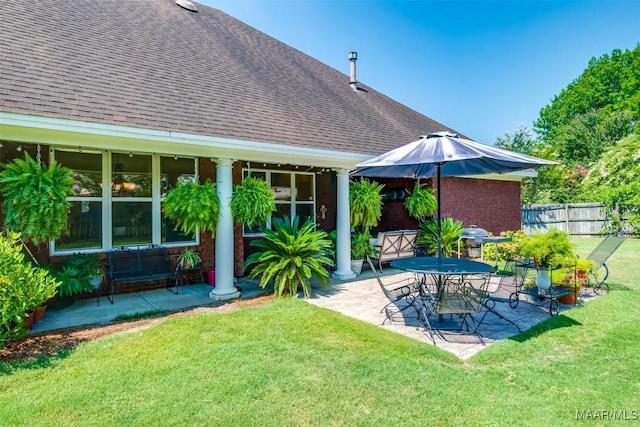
(449, 277)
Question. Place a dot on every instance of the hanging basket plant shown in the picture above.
(365, 203)
(192, 205)
(35, 198)
(252, 202)
(421, 203)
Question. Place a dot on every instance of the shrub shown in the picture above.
(23, 287)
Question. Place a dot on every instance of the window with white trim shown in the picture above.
(295, 195)
(127, 211)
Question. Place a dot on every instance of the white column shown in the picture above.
(343, 228)
(225, 288)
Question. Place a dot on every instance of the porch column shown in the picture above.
(225, 288)
(343, 228)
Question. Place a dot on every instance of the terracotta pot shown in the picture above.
(38, 315)
(28, 321)
(569, 298)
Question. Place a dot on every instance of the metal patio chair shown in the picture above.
(599, 256)
(398, 290)
(462, 296)
(506, 289)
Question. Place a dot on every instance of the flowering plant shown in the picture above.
(578, 274)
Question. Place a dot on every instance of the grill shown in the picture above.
(473, 238)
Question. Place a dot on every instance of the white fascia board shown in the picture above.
(64, 132)
(511, 176)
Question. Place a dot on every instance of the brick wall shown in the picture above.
(489, 204)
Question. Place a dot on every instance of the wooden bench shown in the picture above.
(149, 264)
(392, 245)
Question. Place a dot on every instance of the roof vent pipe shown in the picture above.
(353, 57)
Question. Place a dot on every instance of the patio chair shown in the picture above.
(398, 290)
(462, 296)
(505, 288)
(599, 256)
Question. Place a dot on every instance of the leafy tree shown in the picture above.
(615, 181)
(587, 136)
(581, 125)
(521, 140)
(610, 83)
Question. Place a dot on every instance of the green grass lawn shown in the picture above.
(290, 364)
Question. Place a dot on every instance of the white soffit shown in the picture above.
(63, 132)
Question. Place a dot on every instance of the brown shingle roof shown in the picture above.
(154, 65)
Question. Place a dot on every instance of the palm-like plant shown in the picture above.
(428, 235)
(290, 255)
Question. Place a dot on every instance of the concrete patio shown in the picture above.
(361, 299)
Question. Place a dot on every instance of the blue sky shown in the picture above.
(480, 67)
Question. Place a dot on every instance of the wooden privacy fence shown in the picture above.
(578, 219)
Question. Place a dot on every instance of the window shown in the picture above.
(127, 211)
(85, 215)
(294, 195)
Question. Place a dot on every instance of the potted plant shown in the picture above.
(365, 203)
(95, 277)
(547, 251)
(188, 259)
(35, 198)
(193, 206)
(573, 278)
(421, 203)
(23, 287)
(289, 256)
(252, 202)
(428, 235)
(361, 247)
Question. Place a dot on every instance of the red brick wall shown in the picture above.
(489, 204)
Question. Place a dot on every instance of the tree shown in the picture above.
(615, 181)
(521, 140)
(610, 83)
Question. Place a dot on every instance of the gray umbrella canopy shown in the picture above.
(445, 154)
(454, 156)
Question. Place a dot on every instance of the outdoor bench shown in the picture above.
(391, 245)
(147, 264)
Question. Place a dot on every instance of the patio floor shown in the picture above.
(361, 298)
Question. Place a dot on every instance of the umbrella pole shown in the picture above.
(439, 165)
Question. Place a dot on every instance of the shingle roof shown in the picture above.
(154, 65)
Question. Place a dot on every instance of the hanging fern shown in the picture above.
(35, 198)
(252, 202)
(421, 203)
(365, 202)
(191, 206)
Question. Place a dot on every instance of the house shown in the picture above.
(142, 94)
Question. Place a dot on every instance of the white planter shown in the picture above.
(543, 280)
(96, 281)
(356, 266)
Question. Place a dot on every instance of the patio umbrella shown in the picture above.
(445, 154)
